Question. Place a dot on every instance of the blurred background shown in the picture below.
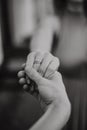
(18, 19)
(18, 109)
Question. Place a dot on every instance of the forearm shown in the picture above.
(43, 36)
(53, 119)
(42, 39)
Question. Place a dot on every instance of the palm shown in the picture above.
(46, 92)
(41, 94)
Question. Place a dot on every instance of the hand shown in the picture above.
(48, 93)
(53, 95)
(47, 68)
(43, 62)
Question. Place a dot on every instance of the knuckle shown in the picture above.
(50, 69)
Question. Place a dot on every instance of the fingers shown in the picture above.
(56, 77)
(29, 68)
(30, 60)
(45, 63)
(34, 60)
(26, 83)
(38, 60)
(23, 79)
(33, 75)
(21, 73)
(52, 67)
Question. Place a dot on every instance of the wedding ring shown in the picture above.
(37, 62)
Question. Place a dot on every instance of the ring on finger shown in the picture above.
(37, 62)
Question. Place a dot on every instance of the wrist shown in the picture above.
(59, 113)
(63, 106)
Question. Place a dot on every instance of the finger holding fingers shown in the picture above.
(38, 60)
(34, 75)
(45, 62)
(52, 67)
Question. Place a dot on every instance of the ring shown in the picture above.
(37, 62)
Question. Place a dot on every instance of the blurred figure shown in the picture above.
(22, 20)
(68, 23)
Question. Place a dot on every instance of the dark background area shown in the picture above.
(18, 109)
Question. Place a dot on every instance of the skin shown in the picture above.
(48, 65)
(52, 93)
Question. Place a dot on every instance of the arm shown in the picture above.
(52, 93)
(58, 112)
(43, 36)
(53, 119)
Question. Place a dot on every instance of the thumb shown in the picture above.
(34, 75)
